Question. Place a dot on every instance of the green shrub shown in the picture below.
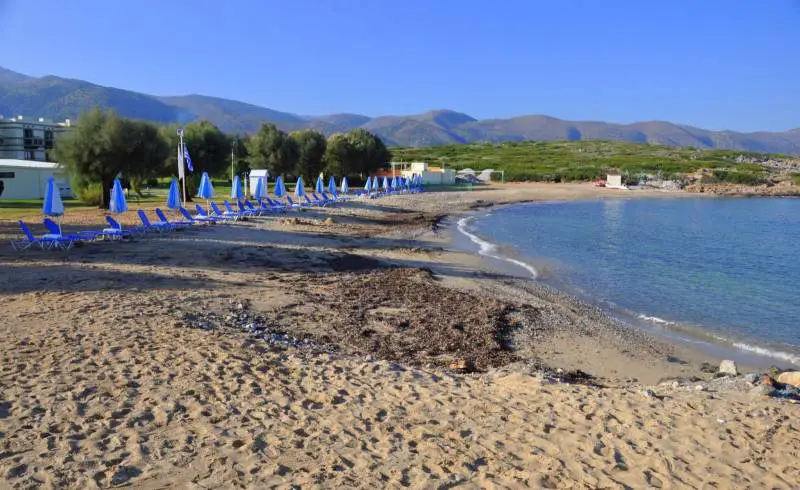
(90, 193)
(736, 177)
(796, 179)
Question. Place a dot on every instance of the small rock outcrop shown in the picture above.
(728, 368)
(790, 378)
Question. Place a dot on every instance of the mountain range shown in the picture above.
(60, 98)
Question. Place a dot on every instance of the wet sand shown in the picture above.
(352, 351)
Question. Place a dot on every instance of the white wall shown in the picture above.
(31, 183)
(613, 181)
(448, 177)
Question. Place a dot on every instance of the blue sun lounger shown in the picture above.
(254, 210)
(114, 224)
(202, 215)
(162, 219)
(195, 219)
(47, 241)
(245, 211)
(109, 233)
(158, 227)
(275, 204)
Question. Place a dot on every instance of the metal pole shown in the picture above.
(183, 151)
(233, 158)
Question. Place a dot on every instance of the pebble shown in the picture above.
(648, 393)
(763, 390)
(699, 388)
(752, 378)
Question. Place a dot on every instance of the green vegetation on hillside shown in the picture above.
(558, 161)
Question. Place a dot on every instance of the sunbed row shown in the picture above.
(56, 239)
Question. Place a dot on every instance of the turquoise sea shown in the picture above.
(719, 270)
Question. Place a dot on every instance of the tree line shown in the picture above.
(104, 145)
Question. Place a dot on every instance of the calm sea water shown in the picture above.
(727, 269)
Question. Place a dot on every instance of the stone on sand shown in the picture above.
(790, 378)
(763, 390)
(728, 367)
(752, 378)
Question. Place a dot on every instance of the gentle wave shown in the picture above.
(784, 356)
(655, 319)
(488, 249)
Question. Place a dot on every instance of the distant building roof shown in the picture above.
(26, 164)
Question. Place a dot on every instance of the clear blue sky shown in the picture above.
(717, 64)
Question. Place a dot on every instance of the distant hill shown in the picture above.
(61, 98)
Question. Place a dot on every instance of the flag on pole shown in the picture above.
(181, 174)
(188, 159)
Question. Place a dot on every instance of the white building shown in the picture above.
(614, 181)
(28, 139)
(430, 175)
(22, 179)
(256, 174)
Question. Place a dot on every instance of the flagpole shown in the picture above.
(233, 158)
(180, 162)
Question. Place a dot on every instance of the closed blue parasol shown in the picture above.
(258, 192)
(53, 206)
(393, 183)
(299, 190)
(236, 188)
(375, 183)
(345, 186)
(319, 187)
(206, 190)
(385, 184)
(118, 203)
(368, 185)
(332, 185)
(173, 196)
(280, 189)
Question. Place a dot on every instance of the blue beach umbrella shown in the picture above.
(320, 185)
(345, 186)
(258, 192)
(206, 190)
(236, 189)
(280, 190)
(173, 196)
(118, 203)
(375, 183)
(332, 185)
(385, 184)
(53, 206)
(299, 191)
(393, 183)
(368, 185)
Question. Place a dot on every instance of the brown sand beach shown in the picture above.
(347, 347)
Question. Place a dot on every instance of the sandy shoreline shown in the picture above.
(319, 353)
